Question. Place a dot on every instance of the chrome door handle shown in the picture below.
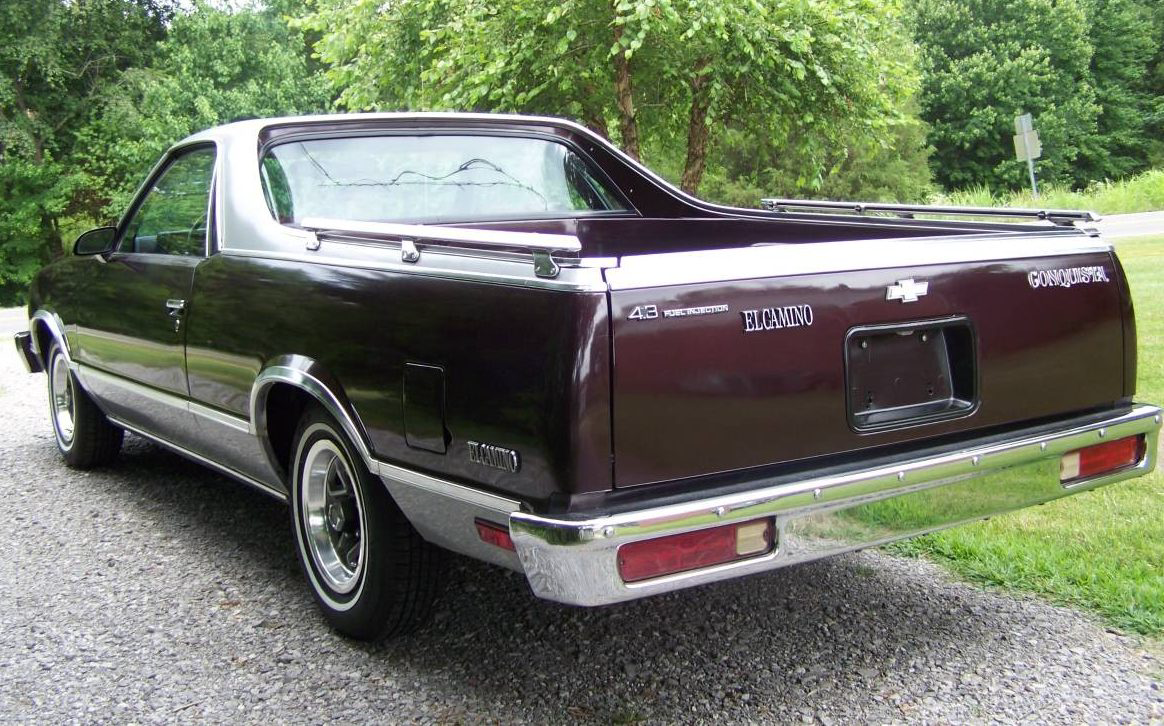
(176, 307)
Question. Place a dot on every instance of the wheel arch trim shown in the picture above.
(56, 328)
(308, 376)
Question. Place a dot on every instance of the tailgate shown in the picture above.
(738, 358)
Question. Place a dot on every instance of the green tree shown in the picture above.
(1125, 40)
(665, 73)
(1155, 85)
(985, 61)
(56, 59)
(214, 66)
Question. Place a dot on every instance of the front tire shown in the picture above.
(85, 437)
(371, 573)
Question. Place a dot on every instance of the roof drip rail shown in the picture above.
(541, 245)
(1060, 217)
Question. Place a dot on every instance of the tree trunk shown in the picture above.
(56, 245)
(628, 126)
(592, 116)
(698, 131)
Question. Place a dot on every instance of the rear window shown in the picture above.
(431, 179)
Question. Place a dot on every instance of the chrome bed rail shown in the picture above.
(541, 245)
(1060, 217)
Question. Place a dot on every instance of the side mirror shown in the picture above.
(96, 241)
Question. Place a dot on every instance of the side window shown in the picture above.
(172, 220)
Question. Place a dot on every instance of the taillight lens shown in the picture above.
(693, 550)
(1101, 459)
(494, 534)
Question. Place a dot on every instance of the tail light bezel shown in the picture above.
(1086, 464)
(722, 543)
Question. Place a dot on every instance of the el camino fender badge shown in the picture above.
(494, 457)
(787, 316)
(906, 290)
(1067, 276)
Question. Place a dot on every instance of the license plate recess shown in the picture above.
(907, 374)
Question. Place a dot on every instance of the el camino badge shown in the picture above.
(494, 457)
(906, 290)
(787, 316)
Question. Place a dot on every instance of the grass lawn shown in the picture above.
(1142, 193)
(1101, 550)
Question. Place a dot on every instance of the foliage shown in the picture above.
(850, 162)
(984, 62)
(665, 73)
(91, 94)
(1124, 40)
(56, 59)
(1082, 68)
(213, 67)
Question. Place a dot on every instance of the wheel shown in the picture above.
(85, 436)
(371, 573)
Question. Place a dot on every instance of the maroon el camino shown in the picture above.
(499, 335)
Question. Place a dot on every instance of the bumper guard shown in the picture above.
(28, 355)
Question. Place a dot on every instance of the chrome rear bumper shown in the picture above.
(575, 561)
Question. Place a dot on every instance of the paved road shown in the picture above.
(1132, 225)
(157, 591)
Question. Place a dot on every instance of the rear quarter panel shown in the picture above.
(525, 369)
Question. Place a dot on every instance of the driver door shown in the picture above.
(133, 330)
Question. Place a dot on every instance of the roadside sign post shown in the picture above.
(1027, 146)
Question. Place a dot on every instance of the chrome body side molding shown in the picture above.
(264, 488)
(575, 561)
(444, 512)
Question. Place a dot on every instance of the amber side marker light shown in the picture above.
(1101, 459)
(693, 550)
(494, 534)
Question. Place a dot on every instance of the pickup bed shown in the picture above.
(500, 336)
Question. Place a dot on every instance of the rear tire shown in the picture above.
(85, 437)
(371, 573)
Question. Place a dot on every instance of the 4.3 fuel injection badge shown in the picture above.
(651, 312)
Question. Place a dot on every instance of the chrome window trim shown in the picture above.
(160, 168)
(787, 260)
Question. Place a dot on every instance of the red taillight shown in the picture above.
(1101, 458)
(693, 550)
(494, 534)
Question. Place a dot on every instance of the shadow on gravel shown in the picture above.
(845, 624)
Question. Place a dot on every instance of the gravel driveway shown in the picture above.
(158, 591)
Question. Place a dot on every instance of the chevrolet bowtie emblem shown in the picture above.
(906, 290)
